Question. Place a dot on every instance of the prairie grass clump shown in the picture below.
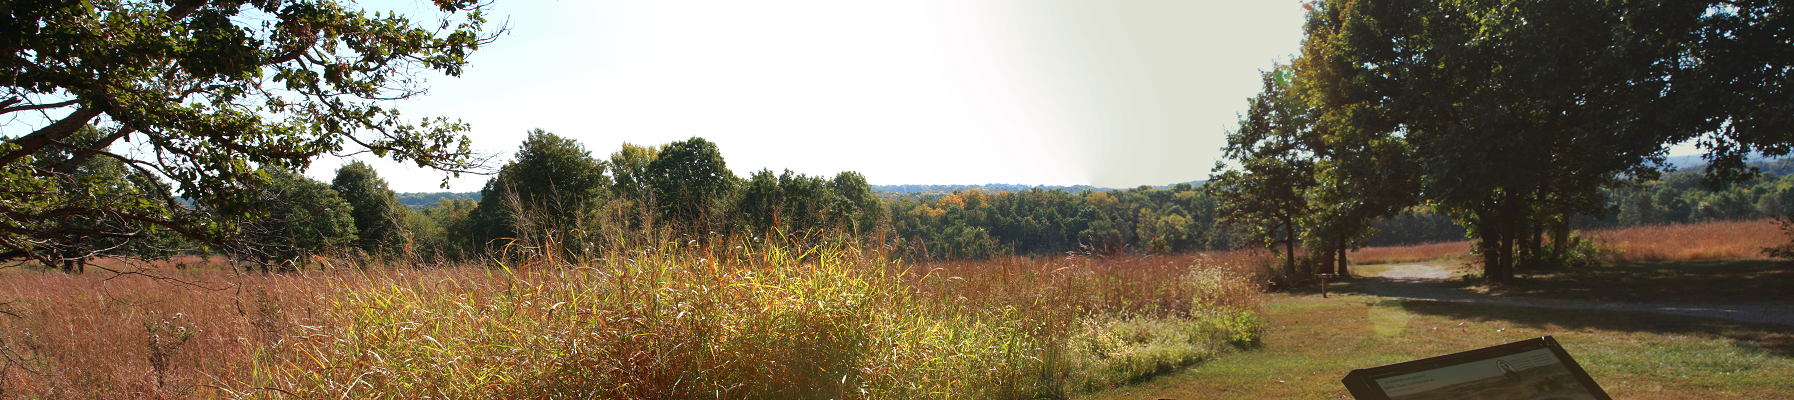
(1112, 350)
(1411, 253)
(767, 322)
(145, 334)
(752, 320)
(1696, 241)
(1670, 242)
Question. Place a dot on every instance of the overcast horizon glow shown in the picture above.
(1115, 93)
(1109, 93)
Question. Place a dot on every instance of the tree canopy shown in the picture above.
(550, 183)
(303, 217)
(1514, 116)
(1264, 199)
(211, 96)
(379, 218)
(691, 184)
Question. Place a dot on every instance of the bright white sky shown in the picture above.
(1114, 93)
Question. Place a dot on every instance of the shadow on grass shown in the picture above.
(1696, 281)
(1771, 338)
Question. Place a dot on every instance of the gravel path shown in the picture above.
(1428, 282)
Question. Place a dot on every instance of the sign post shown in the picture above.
(1324, 278)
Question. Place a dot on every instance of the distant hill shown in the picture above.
(1694, 163)
(426, 199)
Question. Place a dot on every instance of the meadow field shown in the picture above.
(673, 322)
(687, 321)
(1742, 239)
(1312, 342)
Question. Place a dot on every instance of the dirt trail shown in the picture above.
(1428, 282)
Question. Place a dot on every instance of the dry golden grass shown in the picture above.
(1673, 242)
(1701, 241)
(1414, 253)
(764, 323)
(150, 334)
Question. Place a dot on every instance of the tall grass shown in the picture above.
(1671, 242)
(1700, 241)
(766, 322)
(148, 334)
(673, 321)
(1411, 253)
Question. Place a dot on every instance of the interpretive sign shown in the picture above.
(1524, 370)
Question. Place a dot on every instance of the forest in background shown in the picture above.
(1677, 197)
(556, 190)
(1395, 114)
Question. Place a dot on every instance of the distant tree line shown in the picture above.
(426, 199)
(1678, 197)
(1685, 197)
(554, 195)
(973, 224)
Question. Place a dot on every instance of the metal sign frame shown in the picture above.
(1492, 369)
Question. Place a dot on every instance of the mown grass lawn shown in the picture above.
(1312, 342)
(1687, 281)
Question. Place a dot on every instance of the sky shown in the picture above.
(1111, 93)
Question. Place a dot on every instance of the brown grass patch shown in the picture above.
(148, 334)
(1699, 241)
(646, 327)
(1673, 242)
(1413, 253)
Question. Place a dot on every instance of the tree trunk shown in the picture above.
(1289, 247)
(1511, 226)
(1560, 235)
(1488, 230)
(1536, 246)
(1324, 256)
(1524, 255)
(1345, 270)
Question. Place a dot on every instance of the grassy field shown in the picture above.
(1688, 281)
(1313, 342)
(1674, 242)
(755, 322)
(761, 321)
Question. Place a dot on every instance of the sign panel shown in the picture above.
(1529, 369)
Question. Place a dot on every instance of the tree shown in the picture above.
(807, 204)
(1516, 114)
(858, 210)
(629, 170)
(380, 221)
(303, 217)
(446, 229)
(74, 237)
(692, 187)
(1264, 198)
(550, 184)
(1731, 82)
(209, 92)
(802, 205)
(762, 203)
